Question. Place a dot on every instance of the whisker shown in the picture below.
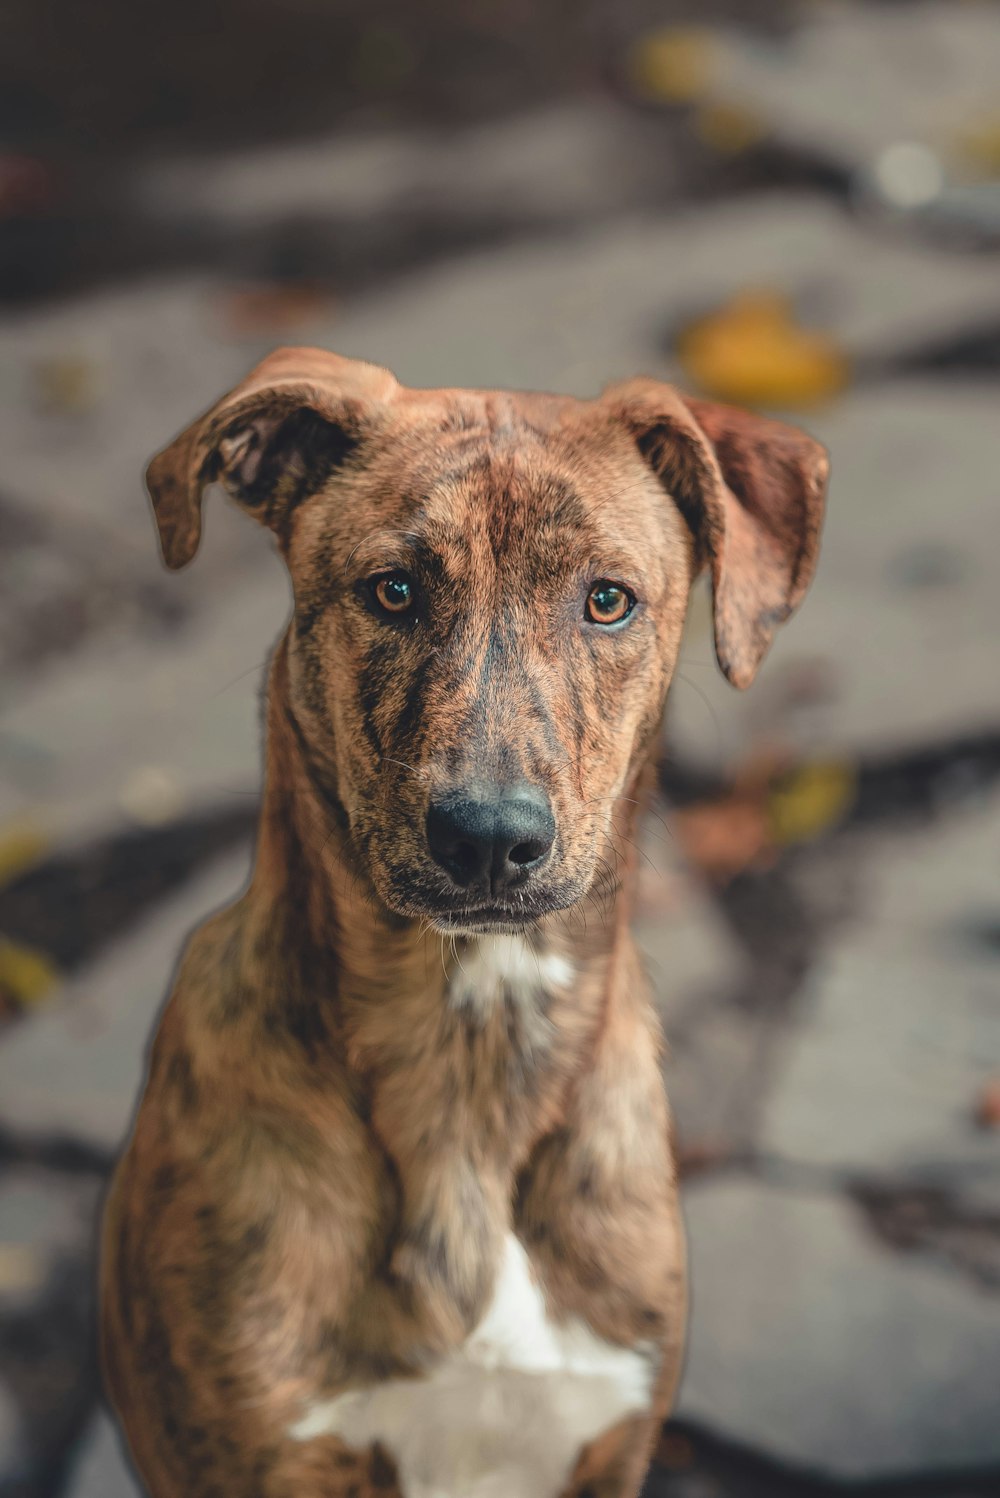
(454, 953)
(702, 695)
(641, 851)
(261, 664)
(413, 769)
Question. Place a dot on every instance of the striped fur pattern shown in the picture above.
(398, 1213)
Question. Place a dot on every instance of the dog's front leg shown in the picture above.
(598, 1212)
(450, 1239)
(454, 1188)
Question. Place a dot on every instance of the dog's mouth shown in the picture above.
(492, 917)
(416, 892)
(483, 920)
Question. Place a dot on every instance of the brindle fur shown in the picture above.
(328, 1153)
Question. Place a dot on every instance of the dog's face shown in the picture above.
(486, 620)
(489, 595)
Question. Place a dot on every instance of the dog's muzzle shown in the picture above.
(490, 839)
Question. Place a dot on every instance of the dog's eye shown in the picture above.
(609, 603)
(393, 592)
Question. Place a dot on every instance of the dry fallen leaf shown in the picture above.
(693, 1156)
(68, 385)
(728, 128)
(274, 308)
(752, 351)
(22, 844)
(977, 148)
(988, 1106)
(772, 804)
(810, 800)
(26, 976)
(672, 65)
(724, 837)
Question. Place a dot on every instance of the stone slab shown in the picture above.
(77, 738)
(813, 1342)
(102, 1470)
(76, 1066)
(900, 1025)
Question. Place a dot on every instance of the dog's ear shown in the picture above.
(752, 492)
(270, 442)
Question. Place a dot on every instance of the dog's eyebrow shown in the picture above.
(563, 503)
(381, 547)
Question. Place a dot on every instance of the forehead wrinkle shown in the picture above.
(431, 461)
(382, 546)
(491, 509)
(522, 501)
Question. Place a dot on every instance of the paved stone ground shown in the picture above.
(828, 962)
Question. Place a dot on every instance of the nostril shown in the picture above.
(460, 838)
(525, 833)
(525, 853)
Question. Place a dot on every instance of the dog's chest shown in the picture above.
(497, 967)
(505, 1415)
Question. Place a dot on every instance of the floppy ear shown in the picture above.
(271, 442)
(752, 492)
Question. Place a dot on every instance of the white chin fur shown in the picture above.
(495, 965)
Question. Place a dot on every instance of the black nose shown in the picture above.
(490, 839)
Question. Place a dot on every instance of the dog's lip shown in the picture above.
(480, 918)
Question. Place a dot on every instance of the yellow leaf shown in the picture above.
(752, 352)
(21, 845)
(26, 975)
(67, 384)
(977, 148)
(673, 65)
(809, 801)
(728, 128)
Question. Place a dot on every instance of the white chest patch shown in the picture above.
(506, 1415)
(494, 963)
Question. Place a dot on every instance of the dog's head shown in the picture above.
(489, 595)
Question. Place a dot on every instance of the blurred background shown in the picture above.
(793, 206)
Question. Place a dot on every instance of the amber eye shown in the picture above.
(609, 603)
(393, 592)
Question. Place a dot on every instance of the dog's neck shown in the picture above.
(311, 881)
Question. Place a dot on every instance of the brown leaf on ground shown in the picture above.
(987, 1111)
(695, 1156)
(724, 837)
(27, 977)
(276, 308)
(671, 65)
(753, 352)
(67, 384)
(773, 803)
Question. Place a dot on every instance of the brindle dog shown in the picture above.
(399, 1210)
